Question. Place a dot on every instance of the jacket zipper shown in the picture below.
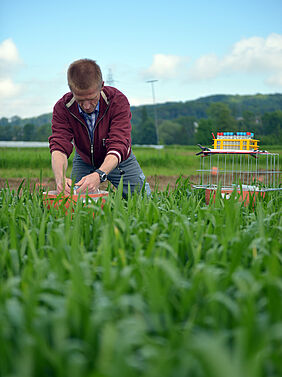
(91, 144)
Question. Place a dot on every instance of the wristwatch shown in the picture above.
(103, 175)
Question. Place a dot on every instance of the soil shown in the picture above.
(159, 183)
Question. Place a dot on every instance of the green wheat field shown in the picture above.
(161, 286)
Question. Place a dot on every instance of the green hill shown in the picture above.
(187, 122)
(258, 104)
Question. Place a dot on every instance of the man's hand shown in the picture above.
(90, 182)
(64, 186)
(59, 166)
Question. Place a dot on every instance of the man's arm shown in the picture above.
(92, 181)
(59, 166)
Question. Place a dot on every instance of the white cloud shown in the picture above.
(251, 55)
(8, 52)
(8, 88)
(166, 66)
(206, 67)
(275, 80)
(9, 60)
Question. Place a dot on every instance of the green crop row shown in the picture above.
(174, 160)
(24, 158)
(27, 162)
(159, 286)
(35, 157)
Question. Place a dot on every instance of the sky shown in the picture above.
(192, 48)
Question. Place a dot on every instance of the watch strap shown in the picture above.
(103, 176)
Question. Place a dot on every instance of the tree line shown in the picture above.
(184, 123)
(27, 132)
(188, 130)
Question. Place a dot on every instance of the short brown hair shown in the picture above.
(84, 74)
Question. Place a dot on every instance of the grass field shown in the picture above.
(160, 286)
(178, 160)
(26, 162)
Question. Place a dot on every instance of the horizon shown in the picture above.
(161, 103)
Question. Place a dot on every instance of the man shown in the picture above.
(96, 119)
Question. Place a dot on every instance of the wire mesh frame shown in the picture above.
(260, 170)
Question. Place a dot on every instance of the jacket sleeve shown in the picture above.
(119, 140)
(62, 135)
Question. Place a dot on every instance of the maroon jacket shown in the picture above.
(112, 133)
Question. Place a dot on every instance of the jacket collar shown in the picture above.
(105, 97)
(72, 107)
(72, 100)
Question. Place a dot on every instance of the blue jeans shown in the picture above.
(133, 174)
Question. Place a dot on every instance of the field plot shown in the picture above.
(160, 286)
(161, 167)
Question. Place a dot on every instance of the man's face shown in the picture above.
(87, 99)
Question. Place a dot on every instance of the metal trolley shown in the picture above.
(249, 172)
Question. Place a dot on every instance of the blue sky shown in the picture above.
(193, 48)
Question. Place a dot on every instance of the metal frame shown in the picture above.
(229, 169)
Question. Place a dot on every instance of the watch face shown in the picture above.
(103, 177)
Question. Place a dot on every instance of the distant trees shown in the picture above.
(4, 121)
(28, 132)
(6, 132)
(43, 132)
(204, 132)
(268, 127)
(180, 131)
(219, 118)
(272, 127)
(183, 123)
(145, 133)
(170, 133)
(189, 124)
(272, 123)
(220, 114)
(188, 130)
(247, 121)
(177, 131)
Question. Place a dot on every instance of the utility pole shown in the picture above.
(155, 109)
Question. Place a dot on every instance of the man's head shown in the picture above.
(86, 82)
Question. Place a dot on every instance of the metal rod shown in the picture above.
(155, 109)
